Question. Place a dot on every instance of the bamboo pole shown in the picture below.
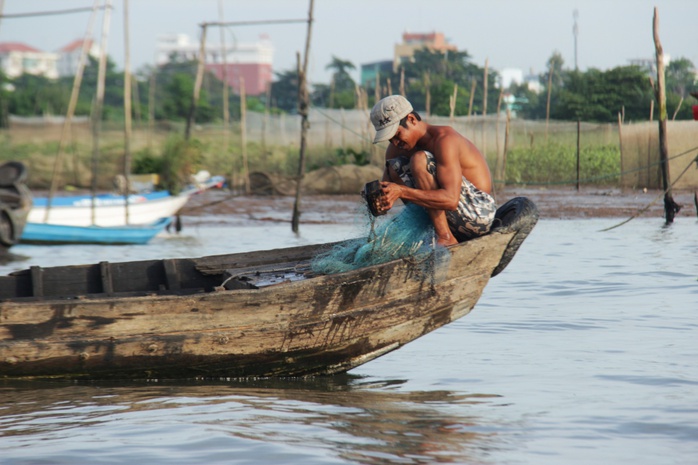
(377, 89)
(678, 107)
(243, 134)
(485, 85)
(649, 145)
(402, 81)
(99, 101)
(151, 106)
(427, 90)
(452, 103)
(127, 113)
(620, 145)
(224, 78)
(579, 152)
(547, 105)
(472, 97)
(503, 167)
(304, 104)
(496, 126)
(58, 162)
(484, 108)
(265, 121)
(670, 206)
(197, 83)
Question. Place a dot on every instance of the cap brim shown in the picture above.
(386, 133)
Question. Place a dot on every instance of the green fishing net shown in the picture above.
(408, 233)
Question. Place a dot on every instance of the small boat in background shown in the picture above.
(15, 203)
(110, 210)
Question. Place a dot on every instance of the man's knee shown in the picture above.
(424, 178)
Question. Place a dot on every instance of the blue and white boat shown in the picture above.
(105, 219)
(110, 209)
(43, 233)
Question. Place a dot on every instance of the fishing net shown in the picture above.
(409, 233)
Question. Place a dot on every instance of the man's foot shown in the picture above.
(446, 241)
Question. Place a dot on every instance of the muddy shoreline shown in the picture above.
(222, 206)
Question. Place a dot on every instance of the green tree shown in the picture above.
(445, 70)
(178, 94)
(681, 77)
(341, 92)
(284, 91)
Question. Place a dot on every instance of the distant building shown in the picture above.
(251, 62)
(532, 81)
(17, 58)
(69, 56)
(509, 76)
(411, 42)
(369, 71)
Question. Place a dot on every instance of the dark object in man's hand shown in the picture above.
(371, 193)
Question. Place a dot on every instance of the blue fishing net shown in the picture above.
(407, 233)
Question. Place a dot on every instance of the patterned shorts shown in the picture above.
(475, 211)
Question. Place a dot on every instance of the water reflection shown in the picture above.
(347, 416)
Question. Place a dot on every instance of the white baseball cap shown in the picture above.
(386, 115)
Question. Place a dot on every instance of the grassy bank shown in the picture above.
(530, 159)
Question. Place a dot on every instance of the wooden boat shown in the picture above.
(257, 314)
(15, 203)
(110, 210)
(52, 234)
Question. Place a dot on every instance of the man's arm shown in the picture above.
(443, 194)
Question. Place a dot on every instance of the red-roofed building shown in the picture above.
(17, 58)
(69, 56)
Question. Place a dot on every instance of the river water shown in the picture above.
(583, 351)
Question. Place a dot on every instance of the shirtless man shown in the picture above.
(435, 167)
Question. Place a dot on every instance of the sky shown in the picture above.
(519, 34)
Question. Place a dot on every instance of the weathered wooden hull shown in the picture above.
(194, 326)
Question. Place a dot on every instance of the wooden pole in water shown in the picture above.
(670, 206)
(72, 103)
(303, 107)
(197, 82)
(99, 101)
(127, 113)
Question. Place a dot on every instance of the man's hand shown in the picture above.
(391, 192)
